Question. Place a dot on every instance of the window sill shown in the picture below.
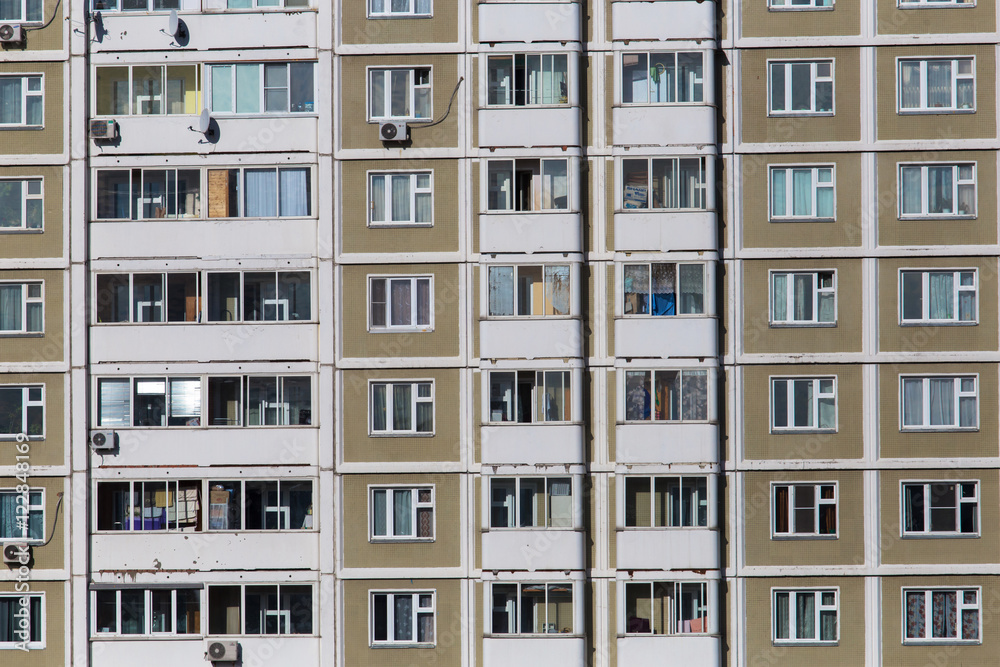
(102, 637)
(399, 225)
(796, 538)
(936, 218)
(632, 105)
(527, 318)
(20, 230)
(934, 111)
(13, 437)
(802, 325)
(810, 220)
(629, 529)
(535, 423)
(400, 330)
(805, 642)
(659, 210)
(801, 431)
(401, 540)
(801, 9)
(668, 635)
(934, 5)
(263, 115)
(642, 316)
(401, 435)
(939, 536)
(411, 121)
(662, 422)
(204, 322)
(533, 635)
(22, 127)
(939, 429)
(938, 323)
(175, 531)
(22, 334)
(379, 17)
(565, 529)
(200, 219)
(517, 107)
(942, 642)
(543, 211)
(801, 114)
(400, 645)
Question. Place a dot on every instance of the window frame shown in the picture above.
(929, 508)
(27, 197)
(389, 175)
(26, 301)
(928, 611)
(773, 6)
(415, 506)
(104, 6)
(925, 297)
(388, 327)
(415, 399)
(682, 373)
(517, 61)
(23, 19)
(956, 182)
(147, 612)
(925, 393)
(705, 502)
(281, 614)
(814, 80)
(934, 4)
(700, 193)
(411, 14)
(26, 78)
(208, 91)
(678, 585)
(25, 519)
(818, 503)
(679, 291)
(537, 390)
(97, 103)
(515, 512)
(620, 75)
(390, 621)
(30, 645)
(547, 279)
(26, 403)
(954, 80)
(412, 88)
(547, 181)
(818, 609)
(790, 297)
(517, 620)
(814, 187)
(817, 381)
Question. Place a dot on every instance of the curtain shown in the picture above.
(8, 516)
(8, 622)
(10, 10)
(423, 6)
(802, 187)
(10, 204)
(501, 281)
(970, 617)
(10, 308)
(378, 198)
(555, 184)
(557, 289)
(828, 624)
(802, 299)
(401, 198)
(941, 293)
(113, 405)
(403, 617)
(10, 99)
(967, 407)
(944, 614)
(781, 509)
(692, 286)
(913, 402)
(378, 513)
(778, 196)
(910, 84)
(694, 399)
(689, 181)
(915, 615)
(399, 302)
(825, 304)
(805, 616)
(942, 402)
(261, 193)
(294, 192)
(423, 301)
(781, 615)
(662, 286)
(402, 507)
(939, 83)
(636, 286)
(424, 212)
(940, 194)
(824, 202)
(402, 405)
(779, 297)
(377, 102)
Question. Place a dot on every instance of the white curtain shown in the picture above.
(401, 198)
(781, 616)
(939, 83)
(10, 307)
(910, 84)
(378, 198)
(261, 193)
(423, 199)
(805, 616)
(400, 304)
(802, 192)
(913, 402)
(778, 192)
(294, 189)
(402, 505)
(403, 617)
(942, 291)
(555, 187)
(779, 297)
(377, 102)
(8, 516)
(10, 100)
(942, 402)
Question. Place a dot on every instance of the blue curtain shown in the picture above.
(261, 193)
(8, 516)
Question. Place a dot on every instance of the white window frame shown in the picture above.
(675, 602)
(955, 78)
(411, 86)
(147, 630)
(116, 6)
(390, 620)
(518, 61)
(23, 520)
(685, 375)
(281, 615)
(537, 388)
(515, 626)
(26, 79)
(817, 382)
(27, 402)
(261, 8)
(27, 300)
(388, 327)
(962, 606)
(678, 288)
(31, 645)
(925, 296)
(39, 10)
(681, 479)
(546, 496)
(27, 197)
(818, 503)
(498, 190)
(928, 506)
(699, 196)
(790, 298)
(815, 186)
(809, 5)
(677, 82)
(388, 13)
(925, 402)
(956, 183)
(262, 107)
(934, 4)
(415, 399)
(547, 280)
(814, 80)
(414, 178)
(818, 608)
(415, 505)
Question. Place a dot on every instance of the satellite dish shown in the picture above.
(204, 121)
(174, 23)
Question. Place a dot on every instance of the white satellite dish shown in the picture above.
(204, 121)
(174, 23)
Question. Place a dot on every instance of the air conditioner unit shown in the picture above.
(104, 129)
(392, 131)
(217, 651)
(11, 33)
(102, 441)
(16, 554)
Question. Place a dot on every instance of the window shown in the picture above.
(803, 87)
(402, 408)
(803, 298)
(942, 615)
(920, 4)
(265, 4)
(802, 193)
(253, 88)
(664, 183)
(22, 518)
(528, 397)
(256, 609)
(22, 101)
(22, 308)
(147, 611)
(529, 291)
(805, 510)
(804, 404)
(22, 621)
(937, 296)
(531, 608)
(22, 11)
(653, 289)
(400, 198)
(666, 608)
(527, 185)
(232, 401)
(662, 77)
(136, 5)
(147, 297)
(402, 513)
(527, 79)
(148, 90)
(284, 192)
(21, 204)
(399, 94)
(941, 508)
(937, 190)
(403, 618)
(259, 296)
(400, 8)
(252, 504)
(401, 302)
(666, 502)
(160, 505)
(22, 411)
(666, 395)
(805, 616)
(940, 402)
(531, 502)
(143, 194)
(800, 4)
(936, 85)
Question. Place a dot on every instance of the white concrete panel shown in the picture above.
(533, 443)
(231, 30)
(534, 651)
(666, 443)
(212, 446)
(520, 127)
(203, 238)
(529, 22)
(666, 337)
(205, 551)
(530, 339)
(664, 19)
(664, 232)
(650, 651)
(661, 125)
(204, 342)
(533, 550)
(236, 134)
(530, 232)
(668, 549)
(284, 650)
